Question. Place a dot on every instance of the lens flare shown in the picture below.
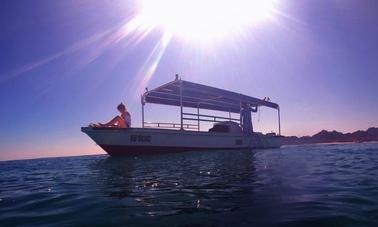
(205, 20)
(205, 23)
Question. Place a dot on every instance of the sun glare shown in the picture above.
(204, 20)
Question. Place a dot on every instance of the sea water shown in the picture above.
(309, 185)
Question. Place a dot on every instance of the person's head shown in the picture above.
(121, 107)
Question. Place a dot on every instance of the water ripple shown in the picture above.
(327, 185)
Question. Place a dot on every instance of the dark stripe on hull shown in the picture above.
(120, 150)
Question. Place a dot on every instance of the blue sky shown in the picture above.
(64, 64)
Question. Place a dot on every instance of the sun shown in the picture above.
(205, 20)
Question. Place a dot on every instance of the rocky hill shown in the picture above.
(334, 136)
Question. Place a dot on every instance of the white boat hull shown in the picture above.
(134, 141)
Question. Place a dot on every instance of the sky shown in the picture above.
(64, 64)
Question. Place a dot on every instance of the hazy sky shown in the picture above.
(64, 64)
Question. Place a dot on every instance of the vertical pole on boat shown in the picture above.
(181, 108)
(142, 115)
(229, 115)
(240, 120)
(279, 121)
(198, 120)
(143, 103)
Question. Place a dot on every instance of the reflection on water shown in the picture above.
(179, 183)
(328, 185)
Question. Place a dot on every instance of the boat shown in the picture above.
(188, 135)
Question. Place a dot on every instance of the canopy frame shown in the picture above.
(182, 93)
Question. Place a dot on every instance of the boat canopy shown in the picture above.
(188, 94)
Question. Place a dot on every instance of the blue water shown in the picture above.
(312, 185)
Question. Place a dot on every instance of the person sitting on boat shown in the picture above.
(122, 121)
(246, 118)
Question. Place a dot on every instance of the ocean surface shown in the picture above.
(310, 185)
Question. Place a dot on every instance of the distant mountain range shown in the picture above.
(325, 136)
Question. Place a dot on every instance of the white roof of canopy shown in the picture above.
(201, 96)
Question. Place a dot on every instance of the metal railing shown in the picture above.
(208, 118)
(170, 125)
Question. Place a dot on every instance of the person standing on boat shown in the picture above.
(246, 118)
(121, 121)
